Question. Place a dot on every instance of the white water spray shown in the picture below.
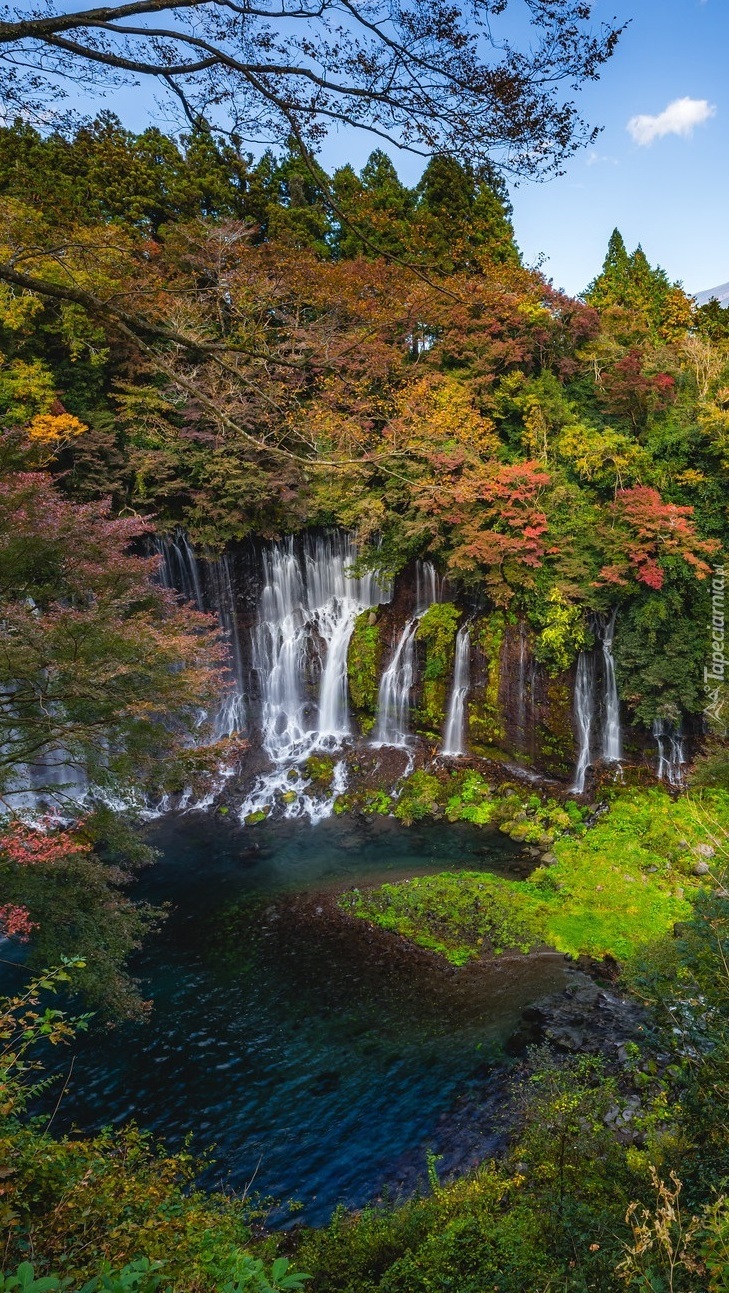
(671, 752)
(454, 741)
(584, 716)
(396, 684)
(612, 751)
(393, 699)
(307, 611)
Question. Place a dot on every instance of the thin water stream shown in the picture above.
(320, 1056)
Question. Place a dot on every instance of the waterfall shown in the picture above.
(429, 587)
(521, 723)
(393, 701)
(231, 716)
(454, 741)
(307, 610)
(671, 755)
(584, 714)
(179, 569)
(611, 744)
(210, 588)
(396, 684)
(54, 782)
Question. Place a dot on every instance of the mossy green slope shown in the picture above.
(612, 890)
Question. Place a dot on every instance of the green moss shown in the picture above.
(613, 889)
(454, 919)
(485, 719)
(437, 629)
(363, 664)
(319, 769)
(260, 815)
(421, 796)
(465, 796)
(364, 801)
(555, 734)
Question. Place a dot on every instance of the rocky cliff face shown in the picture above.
(323, 662)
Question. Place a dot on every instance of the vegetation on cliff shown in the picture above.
(364, 660)
(437, 630)
(553, 456)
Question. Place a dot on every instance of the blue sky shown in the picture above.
(670, 194)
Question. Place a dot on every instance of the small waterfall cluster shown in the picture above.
(671, 752)
(396, 684)
(209, 587)
(454, 739)
(608, 745)
(308, 606)
(392, 726)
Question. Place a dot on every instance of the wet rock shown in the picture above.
(549, 859)
(585, 1017)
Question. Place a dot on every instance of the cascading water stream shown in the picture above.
(584, 716)
(231, 716)
(307, 611)
(671, 752)
(612, 751)
(454, 741)
(209, 589)
(428, 587)
(393, 700)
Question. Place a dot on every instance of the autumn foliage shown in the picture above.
(648, 533)
(98, 661)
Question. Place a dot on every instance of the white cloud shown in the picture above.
(600, 159)
(680, 118)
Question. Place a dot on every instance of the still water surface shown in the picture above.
(320, 1060)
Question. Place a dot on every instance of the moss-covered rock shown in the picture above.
(485, 718)
(422, 796)
(437, 630)
(364, 661)
(364, 801)
(556, 751)
(457, 916)
(260, 815)
(319, 768)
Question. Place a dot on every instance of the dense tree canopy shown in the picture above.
(247, 364)
(100, 669)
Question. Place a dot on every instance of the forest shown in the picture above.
(327, 523)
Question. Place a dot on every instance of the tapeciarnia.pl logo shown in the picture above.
(715, 675)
